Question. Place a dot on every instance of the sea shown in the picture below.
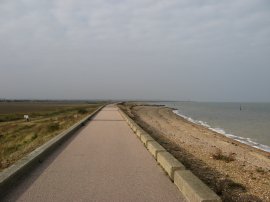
(248, 123)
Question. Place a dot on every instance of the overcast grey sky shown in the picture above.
(135, 49)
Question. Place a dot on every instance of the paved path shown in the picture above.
(104, 161)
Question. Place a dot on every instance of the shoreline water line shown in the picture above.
(247, 141)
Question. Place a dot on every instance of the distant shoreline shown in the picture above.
(239, 139)
(249, 139)
(173, 110)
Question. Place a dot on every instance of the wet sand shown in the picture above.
(235, 171)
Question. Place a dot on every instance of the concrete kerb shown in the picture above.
(11, 174)
(122, 114)
(169, 163)
(130, 122)
(133, 127)
(190, 185)
(154, 148)
(145, 138)
(193, 188)
(139, 132)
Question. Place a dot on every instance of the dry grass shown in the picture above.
(18, 137)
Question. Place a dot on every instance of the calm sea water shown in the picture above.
(246, 122)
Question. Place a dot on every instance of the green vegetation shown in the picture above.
(82, 111)
(9, 117)
(53, 127)
(19, 137)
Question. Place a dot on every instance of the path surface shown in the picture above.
(104, 161)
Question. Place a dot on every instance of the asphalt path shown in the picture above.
(104, 161)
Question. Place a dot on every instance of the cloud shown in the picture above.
(155, 40)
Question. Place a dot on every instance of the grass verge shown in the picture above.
(19, 137)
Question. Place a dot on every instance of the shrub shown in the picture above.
(10, 117)
(260, 170)
(223, 157)
(53, 127)
(82, 111)
(34, 136)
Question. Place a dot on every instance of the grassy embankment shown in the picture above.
(19, 137)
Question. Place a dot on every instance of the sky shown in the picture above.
(135, 49)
